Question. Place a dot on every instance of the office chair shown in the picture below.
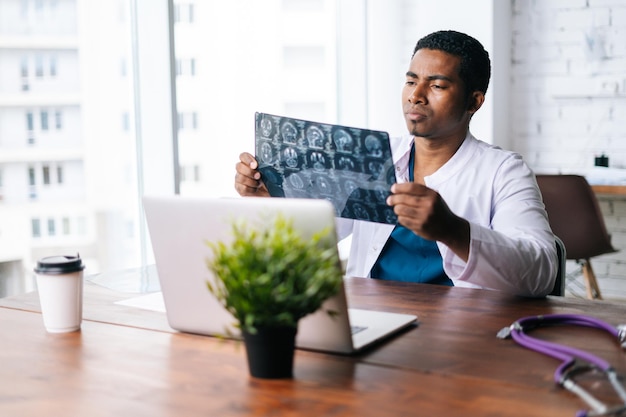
(559, 283)
(575, 217)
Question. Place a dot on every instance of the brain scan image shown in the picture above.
(289, 133)
(390, 216)
(375, 168)
(266, 127)
(315, 137)
(373, 146)
(381, 193)
(323, 185)
(318, 161)
(351, 189)
(343, 141)
(296, 181)
(360, 212)
(345, 163)
(290, 157)
(266, 154)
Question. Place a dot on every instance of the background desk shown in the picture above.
(127, 361)
(609, 189)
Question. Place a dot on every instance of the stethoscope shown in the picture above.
(575, 362)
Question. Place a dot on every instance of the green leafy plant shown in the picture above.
(271, 276)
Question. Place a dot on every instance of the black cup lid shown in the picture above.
(59, 265)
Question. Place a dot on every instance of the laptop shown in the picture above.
(179, 228)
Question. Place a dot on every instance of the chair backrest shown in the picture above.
(574, 215)
(559, 283)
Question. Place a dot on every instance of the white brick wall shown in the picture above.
(561, 93)
(568, 102)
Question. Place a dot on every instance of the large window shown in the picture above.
(158, 96)
(302, 58)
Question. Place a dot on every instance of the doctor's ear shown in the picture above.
(475, 101)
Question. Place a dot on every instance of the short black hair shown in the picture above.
(475, 68)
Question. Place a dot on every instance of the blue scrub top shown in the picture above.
(409, 257)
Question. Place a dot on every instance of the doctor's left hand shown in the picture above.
(423, 210)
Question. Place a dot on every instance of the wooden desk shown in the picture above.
(127, 361)
(609, 189)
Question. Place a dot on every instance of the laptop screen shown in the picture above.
(350, 167)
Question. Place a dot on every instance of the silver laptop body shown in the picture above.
(179, 228)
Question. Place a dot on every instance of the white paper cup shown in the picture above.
(60, 285)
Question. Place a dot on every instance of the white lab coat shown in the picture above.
(512, 247)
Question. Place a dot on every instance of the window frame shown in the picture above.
(154, 75)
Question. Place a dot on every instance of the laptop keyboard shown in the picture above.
(356, 329)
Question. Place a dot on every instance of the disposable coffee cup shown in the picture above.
(60, 285)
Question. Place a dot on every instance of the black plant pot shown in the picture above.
(270, 352)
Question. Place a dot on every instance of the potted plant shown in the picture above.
(269, 277)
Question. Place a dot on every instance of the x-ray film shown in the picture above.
(350, 167)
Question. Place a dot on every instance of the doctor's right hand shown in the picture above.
(248, 179)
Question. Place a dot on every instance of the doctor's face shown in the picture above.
(434, 100)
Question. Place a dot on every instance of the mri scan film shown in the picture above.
(350, 167)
